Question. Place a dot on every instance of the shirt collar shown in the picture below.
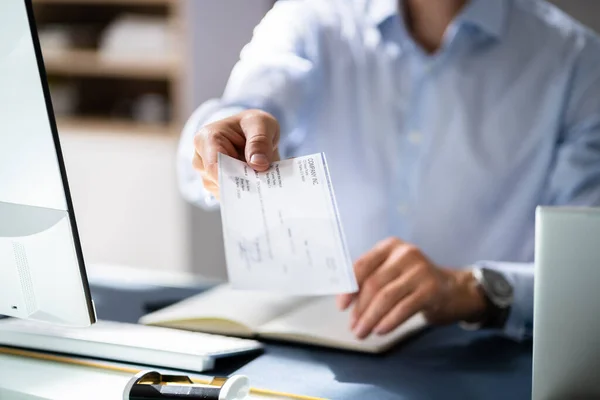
(487, 15)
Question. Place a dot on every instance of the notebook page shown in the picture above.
(247, 308)
(321, 322)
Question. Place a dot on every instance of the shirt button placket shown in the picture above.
(411, 140)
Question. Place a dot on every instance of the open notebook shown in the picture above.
(317, 321)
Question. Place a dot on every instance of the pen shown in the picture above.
(151, 385)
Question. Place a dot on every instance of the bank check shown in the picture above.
(281, 228)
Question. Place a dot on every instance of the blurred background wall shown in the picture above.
(124, 76)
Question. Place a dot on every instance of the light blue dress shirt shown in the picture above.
(451, 151)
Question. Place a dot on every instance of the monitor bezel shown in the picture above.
(60, 158)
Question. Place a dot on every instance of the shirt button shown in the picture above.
(414, 137)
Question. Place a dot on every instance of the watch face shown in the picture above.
(499, 289)
(502, 287)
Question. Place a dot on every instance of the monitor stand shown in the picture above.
(38, 280)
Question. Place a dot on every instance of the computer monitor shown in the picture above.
(42, 273)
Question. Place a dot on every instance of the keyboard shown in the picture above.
(130, 343)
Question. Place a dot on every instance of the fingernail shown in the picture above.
(259, 159)
(352, 322)
(379, 330)
(360, 331)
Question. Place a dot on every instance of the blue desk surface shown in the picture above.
(441, 363)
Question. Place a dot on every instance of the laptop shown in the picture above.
(566, 338)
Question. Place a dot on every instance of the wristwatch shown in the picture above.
(498, 294)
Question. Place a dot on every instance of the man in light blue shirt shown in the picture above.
(445, 123)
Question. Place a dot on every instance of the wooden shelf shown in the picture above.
(103, 87)
(92, 64)
(106, 2)
(101, 125)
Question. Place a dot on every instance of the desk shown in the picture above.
(443, 363)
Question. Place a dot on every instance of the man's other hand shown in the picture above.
(396, 281)
(251, 136)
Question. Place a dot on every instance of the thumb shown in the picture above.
(262, 136)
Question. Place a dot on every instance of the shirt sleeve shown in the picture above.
(276, 73)
(574, 179)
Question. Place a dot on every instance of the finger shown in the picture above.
(205, 176)
(399, 261)
(402, 312)
(384, 301)
(215, 139)
(364, 266)
(262, 136)
(197, 163)
(276, 156)
(372, 259)
(211, 187)
(343, 301)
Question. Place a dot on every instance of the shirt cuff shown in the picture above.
(519, 325)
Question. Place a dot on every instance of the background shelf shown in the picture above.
(114, 64)
(90, 63)
(105, 125)
(105, 2)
